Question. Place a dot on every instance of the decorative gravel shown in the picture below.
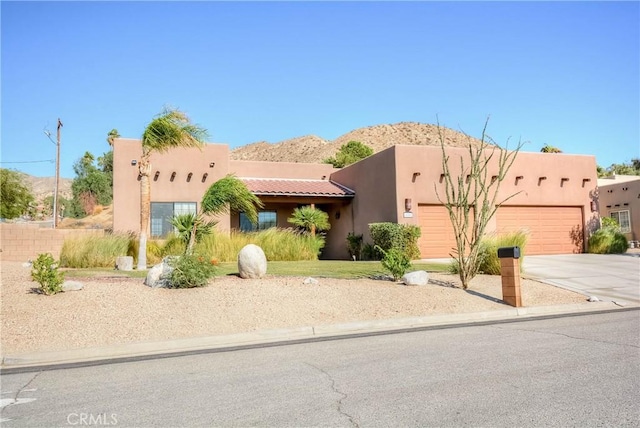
(114, 310)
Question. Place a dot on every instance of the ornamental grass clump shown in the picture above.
(45, 272)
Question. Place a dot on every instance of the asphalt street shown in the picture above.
(577, 371)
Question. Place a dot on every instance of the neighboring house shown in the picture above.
(399, 184)
(619, 197)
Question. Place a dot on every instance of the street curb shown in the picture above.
(168, 348)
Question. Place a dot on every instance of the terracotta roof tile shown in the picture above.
(296, 187)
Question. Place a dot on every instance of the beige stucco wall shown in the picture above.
(374, 181)
(620, 196)
(258, 169)
(126, 187)
(383, 181)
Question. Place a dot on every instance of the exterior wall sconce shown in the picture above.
(594, 206)
(540, 179)
(415, 175)
(468, 178)
(189, 176)
(204, 177)
(563, 180)
(441, 178)
(134, 162)
(173, 176)
(337, 215)
(518, 178)
(407, 205)
(212, 164)
(156, 175)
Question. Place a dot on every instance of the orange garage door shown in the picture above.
(436, 237)
(552, 230)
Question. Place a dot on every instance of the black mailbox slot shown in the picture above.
(509, 252)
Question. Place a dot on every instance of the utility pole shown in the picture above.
(55, 194)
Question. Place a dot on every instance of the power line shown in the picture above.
(35, 161)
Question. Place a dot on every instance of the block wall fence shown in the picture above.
(20, 242)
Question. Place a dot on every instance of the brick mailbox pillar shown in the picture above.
(510, 272)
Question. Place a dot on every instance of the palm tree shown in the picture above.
(310, 219)
(170, 129)
(225, 195)
(112, 135)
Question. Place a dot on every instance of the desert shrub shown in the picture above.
(488, 260)
(45, 272)
(395, 261)
(610, 223)
(354, 246)
(403, 237)
(190, 271)
(93, 250)
(607, 241)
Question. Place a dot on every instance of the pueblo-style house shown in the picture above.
(554, 199)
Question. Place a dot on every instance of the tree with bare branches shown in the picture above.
(471, 197)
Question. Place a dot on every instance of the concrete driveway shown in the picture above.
(611, 277)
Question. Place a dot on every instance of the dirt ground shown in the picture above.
(114, 310)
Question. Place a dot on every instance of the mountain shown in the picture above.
(41, 187)
(311, 148)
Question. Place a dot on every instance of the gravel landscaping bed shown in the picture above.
(114, 310)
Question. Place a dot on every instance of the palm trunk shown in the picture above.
(145, 203)
(192, 238)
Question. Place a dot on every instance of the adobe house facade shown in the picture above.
(619, 197)
(400, 184)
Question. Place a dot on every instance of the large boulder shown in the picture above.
(418, 277)
(252, 263)
(159, 275)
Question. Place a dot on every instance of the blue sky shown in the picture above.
(566, 74)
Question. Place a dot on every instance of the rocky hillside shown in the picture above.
(311, 148)
(41, 187)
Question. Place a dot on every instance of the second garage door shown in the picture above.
(552, 230)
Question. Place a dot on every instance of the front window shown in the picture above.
(163, 212)
(266, 220)
(623, 219)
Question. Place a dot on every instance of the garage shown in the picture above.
(552, 230)
(436, 238)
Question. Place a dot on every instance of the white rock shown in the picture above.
(124, 263)
(418, 277)
(593, 299)
(252, 263)
(72, 286)
(158, 276)
(311, 281)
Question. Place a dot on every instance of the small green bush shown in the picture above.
(395, 262)
(45, 272)
(607, 241)
(190, 271)
(403, 237)
(610, 223)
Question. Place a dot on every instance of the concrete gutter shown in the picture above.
(38, 361)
